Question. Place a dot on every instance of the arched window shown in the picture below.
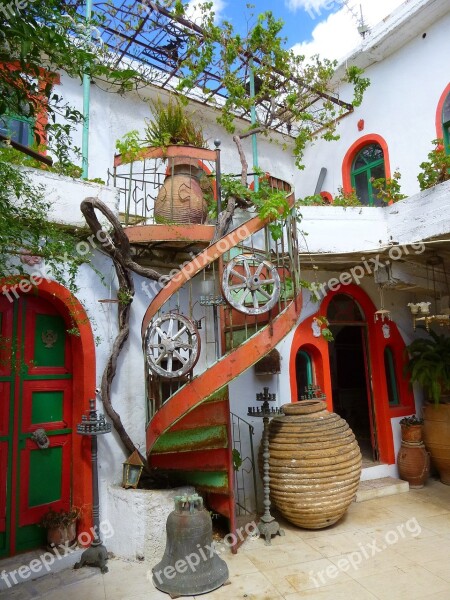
(391, 379)
(367, 165)
(446, 123)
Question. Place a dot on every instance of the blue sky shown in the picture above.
(324, 27)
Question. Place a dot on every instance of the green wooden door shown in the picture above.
(35, 393)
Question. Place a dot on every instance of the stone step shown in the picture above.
(375, 488)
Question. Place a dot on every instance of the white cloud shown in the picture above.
(337, 35)
(311, 5)
(194, 13)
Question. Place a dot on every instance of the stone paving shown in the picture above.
(389, 548)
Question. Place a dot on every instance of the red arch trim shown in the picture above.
(365, 140)
(377, 343)
(83, 351)
(439, 109)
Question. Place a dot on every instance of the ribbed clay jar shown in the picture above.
(315, 464)
(180, 199)
(413, 464)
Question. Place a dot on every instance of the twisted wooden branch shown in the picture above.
(118, 248)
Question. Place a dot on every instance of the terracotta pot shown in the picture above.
(436, 436)
(180, 199)
(315, 464)
(411, 433)
(62, 536)
(413, 464)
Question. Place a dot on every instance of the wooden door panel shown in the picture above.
(45, 478)
(3, 483)
(5, 401)
(6, 335)
(47, 348)
(46, 404)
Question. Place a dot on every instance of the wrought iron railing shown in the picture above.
(245, 487)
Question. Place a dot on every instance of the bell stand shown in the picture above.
(93, 425)
(268, 526)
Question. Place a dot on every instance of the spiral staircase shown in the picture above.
(226, 307)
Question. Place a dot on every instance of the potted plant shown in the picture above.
(413, 460)
(61, 526)
(411, 429)
(436, 169)
(181, 197)
(429, 365)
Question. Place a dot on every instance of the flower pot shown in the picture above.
(413, 464)
(64, 535)
(411, 433)
(315, 464)
(180, 199)
(436, 436)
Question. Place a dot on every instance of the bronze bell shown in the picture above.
(190, 565)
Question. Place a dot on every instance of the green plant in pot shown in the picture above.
(61, 526)
(181, 198)
(429, 365)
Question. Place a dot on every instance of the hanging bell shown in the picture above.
(190, 565)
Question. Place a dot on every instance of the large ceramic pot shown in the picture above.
(413, 463)
(181, 199)
(315, 464)
(436, 436)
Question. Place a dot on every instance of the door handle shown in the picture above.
(40, 437)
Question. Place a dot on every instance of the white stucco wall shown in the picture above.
(400, 105)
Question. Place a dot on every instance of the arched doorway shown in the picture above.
(350, 372)
(42, 387)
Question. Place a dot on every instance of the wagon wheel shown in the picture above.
(172, 346)
(247, 278)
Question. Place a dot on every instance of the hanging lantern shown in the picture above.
(383, 314)
(132, 469)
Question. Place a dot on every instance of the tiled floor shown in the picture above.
(389, 548)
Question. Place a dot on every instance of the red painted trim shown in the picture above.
(347, 163)
(303, 338)
(170, 233)
(327, 196)
(84, 370)
(172, 152)
(40, 101)
(439, 109)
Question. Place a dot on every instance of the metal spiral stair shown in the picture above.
(188, 432)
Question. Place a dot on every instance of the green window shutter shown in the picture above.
(391, 379)
(446, 123)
